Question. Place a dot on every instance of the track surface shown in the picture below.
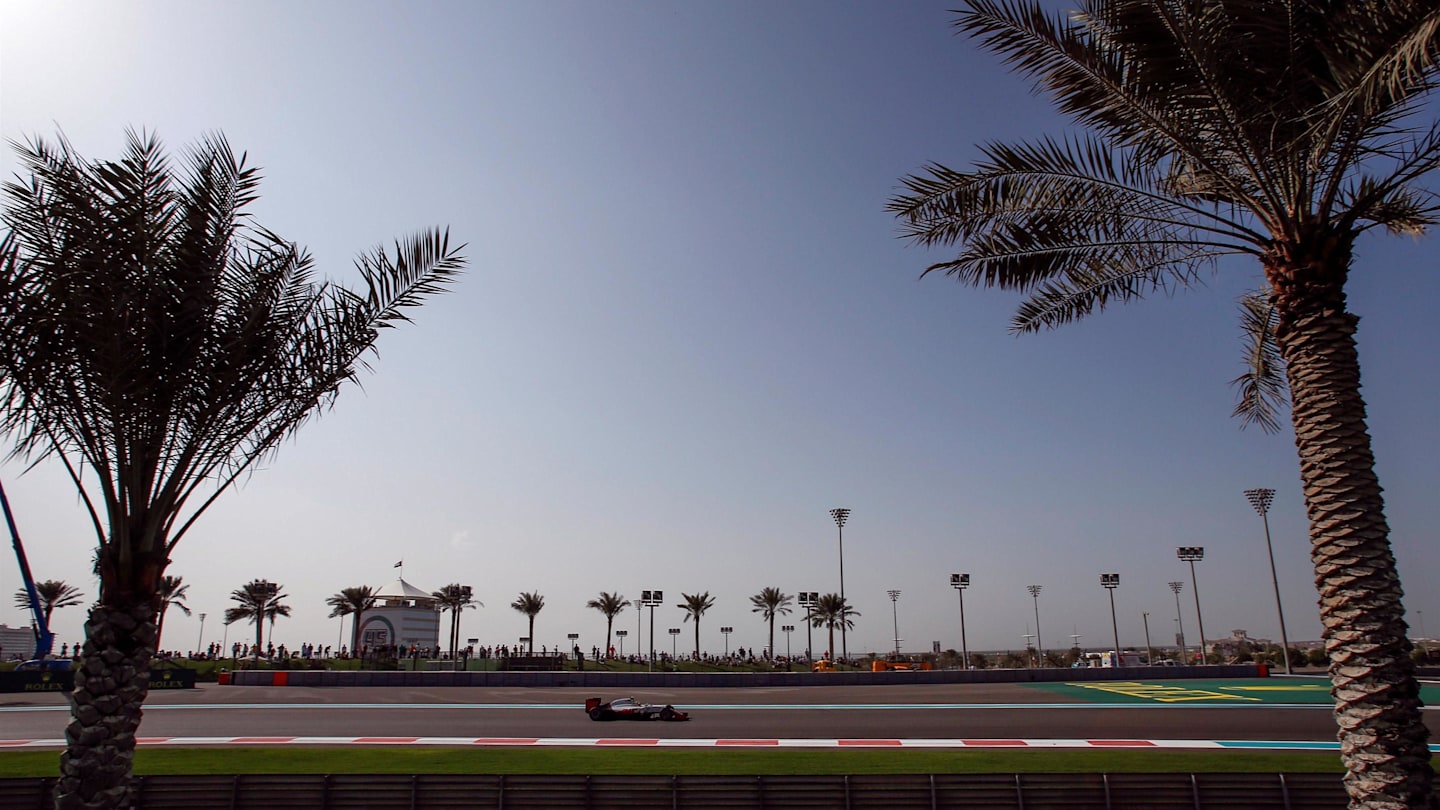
(1272, 709)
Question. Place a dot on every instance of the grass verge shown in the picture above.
(379, 759)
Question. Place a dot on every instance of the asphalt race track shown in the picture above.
(1272, 709)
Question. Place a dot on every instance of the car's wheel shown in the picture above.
(667, 713)
(597, 714)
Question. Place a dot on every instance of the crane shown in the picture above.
(44, 639)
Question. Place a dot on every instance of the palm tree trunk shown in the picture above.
(1377, 704)
(772, 637)
(355, 634)
(609, 623)
(697, 638)
(110, 686)
(259, 633)
(532, 634)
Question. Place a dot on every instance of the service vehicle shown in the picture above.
(898, 664)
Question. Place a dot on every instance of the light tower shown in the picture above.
(960, 582)
(1039, 644)
(1261, 499)
(1192, 555)
(1177, 587)
(841, 514)
(1111, 582)
(895, 617)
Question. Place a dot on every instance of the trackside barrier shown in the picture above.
(1153, 791)
(601, 681)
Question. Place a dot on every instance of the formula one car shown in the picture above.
(629, 709)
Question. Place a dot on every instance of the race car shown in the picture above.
(629, 709)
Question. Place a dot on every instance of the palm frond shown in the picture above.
(1262, 392)
(151, 333)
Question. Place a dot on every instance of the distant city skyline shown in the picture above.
(687, 331)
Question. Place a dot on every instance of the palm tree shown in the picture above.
(530, 604)
(832, 611)
(769, 602)
(53, 593)
(156, 342)
(610, 604)
(257, 600)
(454, 598)
(695, 606)
(352, 601)
(1275, 129)
(172, 593)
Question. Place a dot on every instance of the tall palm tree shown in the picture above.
(1281, 130)
(352, 601)
(53, 593)
(610, 604)
(695, 606)
(156, 342)
(455, 598)
(530, 604)
(767, 603)
(257, 601)
(832, 611)
(172, 594)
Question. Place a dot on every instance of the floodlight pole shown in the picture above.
(1261, 500)
(807, 601)
(960, 582)
(1149, 652)
(1192, 554)
(1177, 586)
(895, 618)
(841, 515)
(1039, 644)
(1111, 582)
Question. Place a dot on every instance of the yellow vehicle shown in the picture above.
(823, 665)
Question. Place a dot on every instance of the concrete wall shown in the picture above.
(602, 681)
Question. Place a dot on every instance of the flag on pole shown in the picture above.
(399, 564)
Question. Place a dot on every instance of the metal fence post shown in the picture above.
(674, 792)
(847, 791)
(325, 792)
(934, 796)
(1284, 788)
(500, 794)
(1019, 793)
(235, 792)
(414, 791)
(1195, 791)
(1105, 780)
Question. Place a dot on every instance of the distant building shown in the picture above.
(16, 643)
(403, 615)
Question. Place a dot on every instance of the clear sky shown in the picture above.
(688, 330)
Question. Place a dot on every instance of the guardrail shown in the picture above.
(1153, 791)
(663, 680)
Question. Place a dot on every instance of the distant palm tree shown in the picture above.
(769, 602)
(53, 593)
(352, 601)
(258, 600)
(172, 592)
(832, 611)
(610, 604)
(455, 598)
(1285, 131)
(530, 604)
(695, 606)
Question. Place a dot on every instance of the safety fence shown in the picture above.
(1152, 791)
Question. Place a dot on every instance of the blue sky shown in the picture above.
(688, 330)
